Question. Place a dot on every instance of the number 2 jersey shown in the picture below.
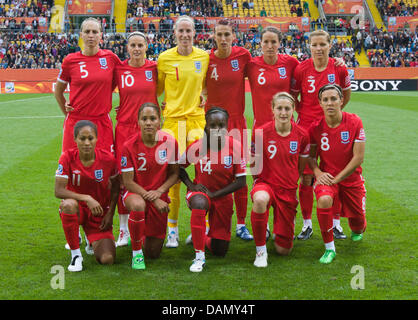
(93, 180)
(335, 146)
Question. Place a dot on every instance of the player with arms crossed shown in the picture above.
(309, 76)
(339, 140)
(181, 76)
(87, 181)
(226, 74)
(149, 168)
(219, 171)
(136, 79)
(283, 156)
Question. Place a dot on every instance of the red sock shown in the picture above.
(357, 225)
(136, 225)
(71, 229)
(306, 200)
(198, 226)
(241, 201)
(325, 223)
(209, 243)
(259, 225)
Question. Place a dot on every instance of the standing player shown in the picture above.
(87, 181)
(309, 76)
(219, 171)
(137, 83)
(149, 168)
(269, 74)
(284, 154)
(90, 76)
(226, 73)
(339, 140)
(181, 76)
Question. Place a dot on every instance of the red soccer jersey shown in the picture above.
(307, 81)
(136, 86)
(215, 169)
(91, 82)
(267, 80)
(280, 155)
(93, 180)
(335, 145)
(150, 165)
(225, 81)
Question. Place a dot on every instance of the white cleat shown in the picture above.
(76, 264)
(172, 240)
(89, 247)
(123, 238)
(189, 239)
(261, 259)
(197, 265)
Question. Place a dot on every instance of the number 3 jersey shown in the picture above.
(215, 169)
(149, 164)
(280, 155)
(335, 145)
(93, 180)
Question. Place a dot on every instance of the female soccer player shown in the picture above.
(90, 76)
(181, 75)
(137, 79)
(282, 158)
(149, 168)
(309, 76)
(226, 73)
(339, 140)
(87, 181)
(219, 171)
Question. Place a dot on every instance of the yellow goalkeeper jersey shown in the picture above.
(182, 78)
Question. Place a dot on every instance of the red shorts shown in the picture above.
(91, 225)
(284, 204)
(104, 131)
(155, 221)
(350, 201)
(220, 215)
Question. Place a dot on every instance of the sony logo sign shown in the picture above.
(375, 85)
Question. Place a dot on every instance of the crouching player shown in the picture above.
(87, 181)
(340, 140)
(219, 171)
(277, 168)
(149, 168)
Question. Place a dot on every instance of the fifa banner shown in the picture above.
(42, 22)
(243, 23)
(362, 79)
(92, 7)
(342, 6)
(394, 23)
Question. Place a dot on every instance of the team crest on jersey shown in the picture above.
(148, 75)
(162, 154)
(293, 147)
(198, 66)
(331, 78)
(228, 162)
(103, 63)
(123, 162)
(282, 72)
(345, 137)
(235, 65)
(98, 174)
(60, 169)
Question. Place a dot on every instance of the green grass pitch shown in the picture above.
(33, 240)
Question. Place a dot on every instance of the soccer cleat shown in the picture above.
(138, 262)
(305, 234)
(89, 247)
(172, 240)
(76, 264)
(261, 259)
(123, 238)
(268, 234)
(328, 256)
(244, 234)
(339, 233)
(197, 265)
(189, 239)
(80, 241)
(356, 236)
